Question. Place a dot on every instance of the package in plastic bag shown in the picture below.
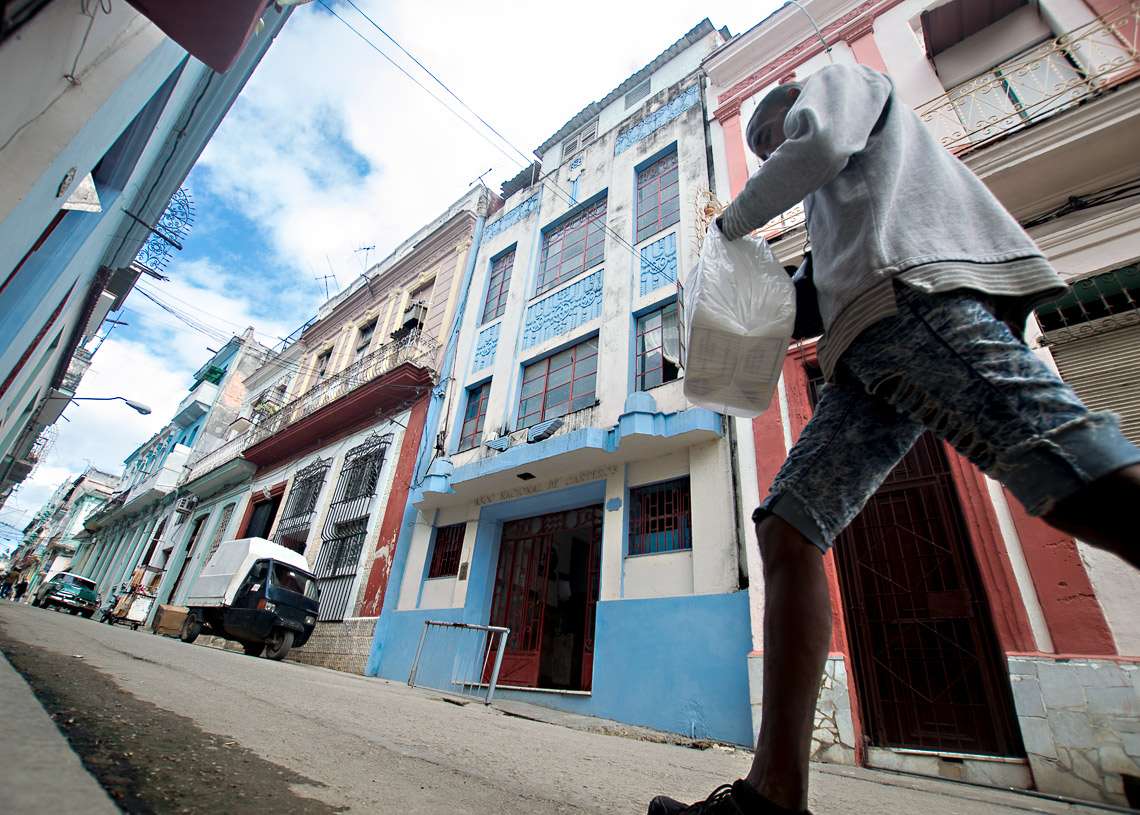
(740, 308)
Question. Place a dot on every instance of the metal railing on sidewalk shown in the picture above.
(459, 658)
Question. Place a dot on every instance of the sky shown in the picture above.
(330, 149)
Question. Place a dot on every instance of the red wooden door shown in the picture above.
(524, 586)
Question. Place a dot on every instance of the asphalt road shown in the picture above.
(169, 727)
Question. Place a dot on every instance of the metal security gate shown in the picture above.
(925, 654)
(1104, 370)
(293, 528)
(549, 605)
(346, 525)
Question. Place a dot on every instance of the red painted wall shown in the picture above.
(381, 569)
(1073, 615)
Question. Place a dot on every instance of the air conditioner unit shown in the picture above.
(185, 505)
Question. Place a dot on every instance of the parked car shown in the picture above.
(70, 592)
(257, 593)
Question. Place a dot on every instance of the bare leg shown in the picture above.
(1104, 514)
(797, 636)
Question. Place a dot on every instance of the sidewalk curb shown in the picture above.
(39, 772)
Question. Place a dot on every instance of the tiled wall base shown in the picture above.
(996, 772)
(342, 646)
(833, 739)
(1080, 721)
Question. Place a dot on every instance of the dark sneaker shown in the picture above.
(728, 799)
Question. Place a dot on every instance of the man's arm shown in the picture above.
(830, 122)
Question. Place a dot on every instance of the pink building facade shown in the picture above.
(971, 640)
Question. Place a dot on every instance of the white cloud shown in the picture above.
(328, 149)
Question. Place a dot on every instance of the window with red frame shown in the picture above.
(658, 200)
(573, 247)
(660, 518)
(498, 282)
(659, 347)
(559, 384)
(474, 416)
(448, 546)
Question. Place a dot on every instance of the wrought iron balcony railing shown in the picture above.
(414, 348)
(206, 462)
(1039, 82)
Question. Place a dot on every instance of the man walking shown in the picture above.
(924, 284)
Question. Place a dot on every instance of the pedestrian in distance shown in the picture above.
(924, 284)
(21, 589)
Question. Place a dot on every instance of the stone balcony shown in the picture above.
(388, 379)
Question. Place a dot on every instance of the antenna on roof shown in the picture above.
(815, 25)
(367, 249)
(479, 180)
(330, 276)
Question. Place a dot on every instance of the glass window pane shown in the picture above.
(585, 387)
(558, 394)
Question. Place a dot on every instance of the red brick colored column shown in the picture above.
(861, 38)
(377, 584)
(1075, 619)
(734, 149)
(1011, 620)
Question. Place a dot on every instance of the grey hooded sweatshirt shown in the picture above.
(884, 200)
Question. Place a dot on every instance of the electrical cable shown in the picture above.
(546, 183)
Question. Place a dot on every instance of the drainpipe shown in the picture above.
(423, 459)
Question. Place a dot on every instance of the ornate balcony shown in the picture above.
(201, 463)
(391, 376)
(1044, 80)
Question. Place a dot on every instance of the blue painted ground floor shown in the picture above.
(599, 624)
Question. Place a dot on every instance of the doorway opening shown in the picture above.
(546, 592)
(260, 518)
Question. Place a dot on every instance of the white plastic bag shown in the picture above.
(740, 306)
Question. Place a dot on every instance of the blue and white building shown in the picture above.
(579, 498)
(102, 116)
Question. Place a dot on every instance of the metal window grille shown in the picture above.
(448, 546)
(660, 518)
(1103, 295)
(219, 531)
(573, 247)
(660, 347)
(474, 417)
(658, 197)
(346, 525)
(560, 384)
(293, 528)
(498, 284)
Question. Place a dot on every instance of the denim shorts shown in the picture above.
(947, 364)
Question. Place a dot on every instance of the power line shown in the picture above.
(546, 183)
(405, 72)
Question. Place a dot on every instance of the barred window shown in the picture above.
(559, 384)
(448, 546)
(658, 347)
(474, 416)
(498, 283)
(660, 518)
(573, 247)
(658, 201)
